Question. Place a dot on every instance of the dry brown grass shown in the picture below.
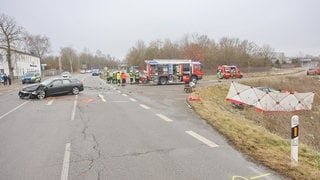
(266, 136)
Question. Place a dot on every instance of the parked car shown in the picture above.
(268, 89)
(1, 79)
(31, 77)
(66, 74)
(82, 71)
(51, 87)
(95, 72)
(313, 71)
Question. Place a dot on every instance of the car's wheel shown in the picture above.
(41, 94)
(163, 80)
(75, 90)
(20, 95)
(193, 79)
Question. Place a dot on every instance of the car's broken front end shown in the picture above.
(29, 92)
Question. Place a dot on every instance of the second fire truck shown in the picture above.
(166, 71)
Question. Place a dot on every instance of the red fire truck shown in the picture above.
(226, 72)
(166, 71)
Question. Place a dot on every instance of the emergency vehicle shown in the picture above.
(166, 71)
(226, 72)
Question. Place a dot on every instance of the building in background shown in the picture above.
(21, 62)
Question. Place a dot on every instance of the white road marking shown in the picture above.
(49, 102)
(202, 139)
(164, 117)
(124, 95)
(144, 106)
(13, 109)
(66, 160)
(102, 97)
(119, 91)
(133, 100)
(74, 108)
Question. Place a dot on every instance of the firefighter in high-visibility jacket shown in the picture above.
(131, 76)
(118, 78)
(123, 78)
(137, 77)
(219, 75)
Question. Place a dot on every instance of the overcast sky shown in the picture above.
(114, 26)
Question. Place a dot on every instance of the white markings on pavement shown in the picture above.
(164, 117)
(49, 102)
(133, 100)
(125, 95)
(119, 91)
(66, 160)
(14, 109)
(74, 108)
(102, 98)
(202, 139)
(144, 106)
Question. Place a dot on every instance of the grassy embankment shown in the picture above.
(262, 136)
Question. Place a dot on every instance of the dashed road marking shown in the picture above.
(74, 108)
(202, 139)
(102, 98)
(66, 160)
(144, 106)
(133, 100)
(164, 117)
(119, 91)
(125, 95)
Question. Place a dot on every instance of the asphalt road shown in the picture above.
(115, 132)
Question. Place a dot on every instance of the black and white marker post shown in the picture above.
(294, 139)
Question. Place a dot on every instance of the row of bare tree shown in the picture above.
(71, 61)
(13, 37)
(199, 47)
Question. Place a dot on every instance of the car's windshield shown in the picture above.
(29, 74)
(46, 82)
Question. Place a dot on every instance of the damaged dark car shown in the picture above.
(52, 87)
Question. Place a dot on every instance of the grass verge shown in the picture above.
(252, 138)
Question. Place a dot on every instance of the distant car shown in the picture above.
(51, 87)
(88, 71)
(95, 72)
(313, 71)
(1, 79)
(66, 74)
(267, 89)
(31, 77)
(82, 71)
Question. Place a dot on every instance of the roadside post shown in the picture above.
(294, 139)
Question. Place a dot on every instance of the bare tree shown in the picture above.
(10, 36)
(37, 45)
(267, 54)
(69, 58)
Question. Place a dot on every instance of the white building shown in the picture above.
(21, 62)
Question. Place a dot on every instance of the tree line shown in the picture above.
(229, 51)
(196, 47)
